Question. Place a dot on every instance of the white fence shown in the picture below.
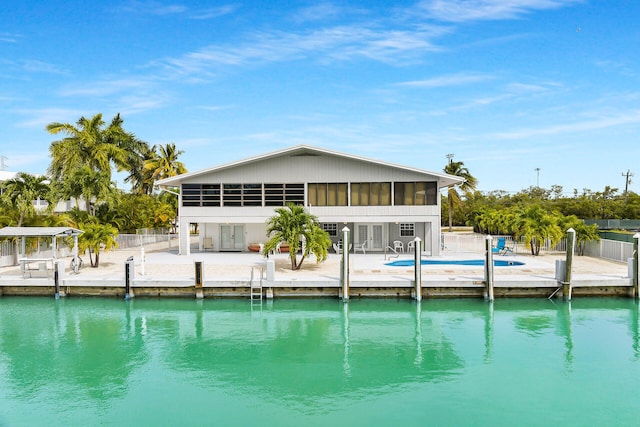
(474, 242)
(610, 249)
(124, 241)
(127, 241)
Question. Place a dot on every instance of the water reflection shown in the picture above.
(50, 344)
(301, 353)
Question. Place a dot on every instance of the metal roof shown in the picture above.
(39, 231)
(445, 180)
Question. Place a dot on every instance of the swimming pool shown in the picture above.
(480, 262)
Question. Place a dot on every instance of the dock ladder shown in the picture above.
(256, 285)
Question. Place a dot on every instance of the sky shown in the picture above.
(523, 92)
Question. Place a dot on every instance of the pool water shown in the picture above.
(480, 262)
(318, 362)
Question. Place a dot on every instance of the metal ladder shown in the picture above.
(255, 285)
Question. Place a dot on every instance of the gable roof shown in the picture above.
(445, 180)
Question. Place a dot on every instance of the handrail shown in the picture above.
(392, 250)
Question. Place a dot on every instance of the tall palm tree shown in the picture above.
(292, 224)
(467, 186)
(139, 153)
(21, 191)
(88, 143)
(164, 162)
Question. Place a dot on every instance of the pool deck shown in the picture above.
(165, 273)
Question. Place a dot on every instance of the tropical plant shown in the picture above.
(536, 225)
(95, 238)
(164, 163)
(293, 225)
(584, 233)
(20, 193)
(89, 143)
(467, 186)
(139, 178)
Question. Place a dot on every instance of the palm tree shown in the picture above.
(468, 185)
(292, 224)
(536, 225)
(88, 143)
(21, 191)
(96, 237)
(164, 162)
(139, 153)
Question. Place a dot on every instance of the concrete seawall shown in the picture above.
(229, 276)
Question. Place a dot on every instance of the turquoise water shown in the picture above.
(318, 362)
(411, 262)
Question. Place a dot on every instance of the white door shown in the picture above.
(372, 233)
(231, 237)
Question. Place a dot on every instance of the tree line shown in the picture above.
(81, 169)
(534, 214)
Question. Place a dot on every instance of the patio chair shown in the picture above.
(398, 246)
(411, 246)
(499, 246)
(508, 249)
(207, 243)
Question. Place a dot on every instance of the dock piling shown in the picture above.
(344, 272)
(198, 279)
(488, 267)
(636, 238)
(566, 284)
(128, 277)
(417, 268)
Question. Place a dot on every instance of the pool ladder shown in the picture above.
(255, 285)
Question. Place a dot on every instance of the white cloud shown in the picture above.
(106, 87)
(584, 126)
(474, 10)
(457, 79)
(213, 12)
(330, 44)
(40, 118)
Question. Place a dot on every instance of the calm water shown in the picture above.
(318, 362)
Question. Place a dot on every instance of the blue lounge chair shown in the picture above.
(499, 246)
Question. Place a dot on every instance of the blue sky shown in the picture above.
(507, 86)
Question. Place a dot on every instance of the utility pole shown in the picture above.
(537, 177)
(627, 176)
(3, 165)
(450, 157)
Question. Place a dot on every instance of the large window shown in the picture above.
(210, 194)
(371, 194)
(191, 195)
(415, 193)
(221, 194)
(281, 194)
(328, 194)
